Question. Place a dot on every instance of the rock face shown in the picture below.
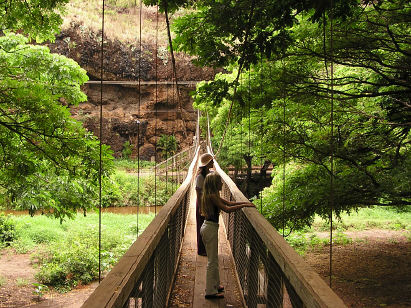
(139, 117)
(130, 113)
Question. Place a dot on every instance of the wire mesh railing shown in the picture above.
(177, 161)
(269, 271)
(143, 276)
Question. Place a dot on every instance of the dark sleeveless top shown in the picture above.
(215, 216)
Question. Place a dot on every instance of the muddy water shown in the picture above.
(125, 210)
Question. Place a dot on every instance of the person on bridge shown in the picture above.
(211, 204)
(206, 163)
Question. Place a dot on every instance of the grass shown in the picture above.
(3, 281)
(42, 230)
(67, 254)
(366, 218)
(121, 20)
(369, 218)
(22, 282)
(130, 165)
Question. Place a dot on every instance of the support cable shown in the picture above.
(249, 112)
(261, 130)
(138, 118)
(173, 61)
(330, 77)
(240, 68)
(241, 133)
(100, 144)
(155, 108)
(284, 141)
(331, 140)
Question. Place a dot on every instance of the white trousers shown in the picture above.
(209, 233)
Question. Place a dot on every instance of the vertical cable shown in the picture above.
(241, 132)
(249, 112)
(138, 115)
(100, 145)
(249, 133)
(284, 141)
(167, 144)
(261, 130)
(331, 141)
(173, 87)
(155, 129)
(231, 142)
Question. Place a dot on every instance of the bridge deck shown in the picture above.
(189, 286)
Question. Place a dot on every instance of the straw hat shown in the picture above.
(205, 159)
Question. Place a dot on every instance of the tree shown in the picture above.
(48, 160)
(167, 144)
(288, 55)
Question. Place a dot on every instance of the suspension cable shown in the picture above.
(173, 61)
(261, 130)
(138, 117)
(240, 68)
(155, 108)
(284, 141)
(241, 133)
(249, 168)
(330, 77)
(100, 144)
(331, 139)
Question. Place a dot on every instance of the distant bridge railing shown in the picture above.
(143, 277)
(176, 162)
(266, 265)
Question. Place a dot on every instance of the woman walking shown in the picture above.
(206, 162)
(211, 204)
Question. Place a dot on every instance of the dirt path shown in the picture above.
(16, 286)
(372, 271)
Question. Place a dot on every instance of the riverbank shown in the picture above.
(47, 258)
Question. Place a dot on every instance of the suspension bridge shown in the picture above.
(257, 266)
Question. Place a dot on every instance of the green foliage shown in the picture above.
(49, 161)
(238, 32)
(168, 145)
(311, 238)
(22, 282)
(3, 281)
(281, 105)
(127, 150)
(7, 230)
(38, 19)
(132, 165)
(68, 262)
(152, 191)
(67, 254)
(39, 290)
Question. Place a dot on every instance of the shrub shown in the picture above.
(7, 230)
(74, 260)
(168, 145)
(69, 262)
(127, 149)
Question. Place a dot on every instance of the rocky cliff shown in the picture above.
(150, 110)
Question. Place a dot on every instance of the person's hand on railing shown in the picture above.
(249, 204)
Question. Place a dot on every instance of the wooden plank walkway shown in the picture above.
(189, 286)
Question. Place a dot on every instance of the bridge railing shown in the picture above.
(177, 161)
(143, 276)
(266, 265)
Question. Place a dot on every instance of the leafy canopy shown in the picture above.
(48, 161)
(280, 88)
